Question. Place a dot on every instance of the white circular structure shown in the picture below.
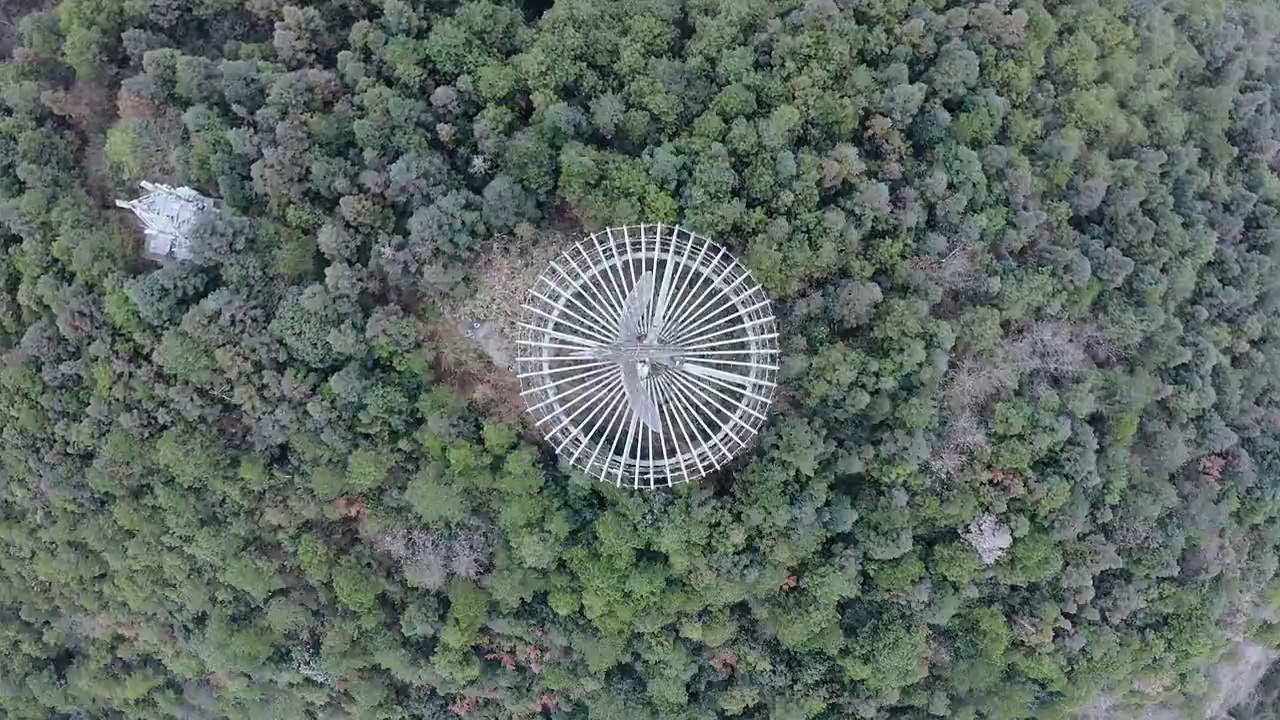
(648, 355)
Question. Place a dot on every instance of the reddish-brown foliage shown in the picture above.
(505, 658)
(1211, 467)
(531, 655)
(351, 507)
(464, 705)
(1010, 481)
(723, 660)
(546, 701)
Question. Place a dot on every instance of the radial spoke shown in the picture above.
(699, 412)
(686, 289)
(614, 418)
(587, 393)
(744, 328)
(649, 440)
(694, 301)
(604, 410)
(687, 385)
(584, 400)
(582, 281)
(697, 369)
(689, 303)
(626, 450)
(555, 346)
(578, 364)
(691, 448)
(586, 332)
(679, 285)
(563, 307)
(600, 368)
(596, 378)
(734, 363)
(739, 384)
(711, 321)
(578, 341)
(660, 403)
(631, 266)
(730, 341)
(664, 289)
(705, 353)
(617, 282)
(586, 287)
(710, 308)
(708, 386)
(691, 422)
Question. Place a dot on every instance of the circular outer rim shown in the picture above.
(580, 299)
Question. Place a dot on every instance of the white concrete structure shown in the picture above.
(168, 214)
(648, 355)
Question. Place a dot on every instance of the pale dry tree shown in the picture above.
(471, 552)
(974, 382)
(966, 433)
(1053, 347)
(956, 271)
(946, 461)
(306, 661)
(426, 574)
(969, 386)
(430, 558)
(989, 537)
(419, 555)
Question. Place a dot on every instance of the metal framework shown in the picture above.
(648, 355)
(168, 215)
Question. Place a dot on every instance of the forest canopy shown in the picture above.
(1024, 462)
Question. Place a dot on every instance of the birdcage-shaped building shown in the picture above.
(648, 355)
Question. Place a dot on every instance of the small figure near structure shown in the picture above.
(168, 215)
(485, 334)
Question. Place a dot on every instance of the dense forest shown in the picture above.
(1024, 460)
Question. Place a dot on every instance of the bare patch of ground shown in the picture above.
(463, 364)
(503, 274)
(474, 337)
(1236, 679)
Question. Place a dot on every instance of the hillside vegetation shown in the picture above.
(1026, 459)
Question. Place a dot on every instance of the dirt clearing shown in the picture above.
(474, 338)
